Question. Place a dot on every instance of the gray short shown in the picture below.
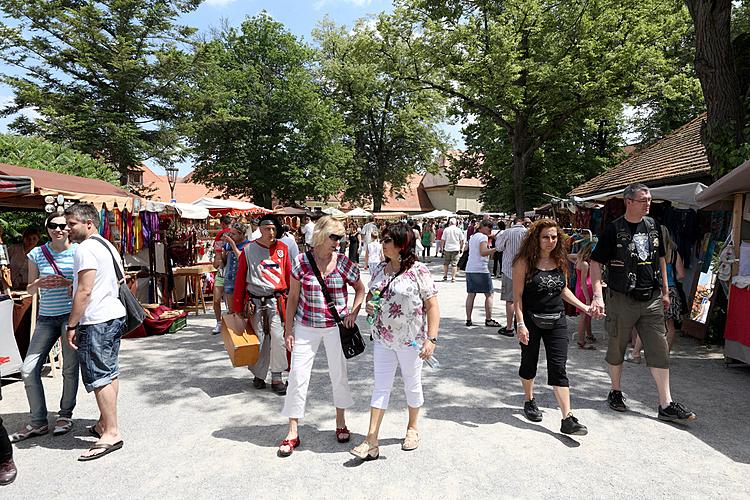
(624, 313)
(450, 258)
(506, 293)
(478, 283)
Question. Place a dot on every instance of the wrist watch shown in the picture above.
(69, 328)
(432, 339)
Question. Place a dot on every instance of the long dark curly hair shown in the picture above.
(531, 251)
(404, 239)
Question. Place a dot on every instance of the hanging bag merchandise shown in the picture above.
(352, 342)
(134, 312)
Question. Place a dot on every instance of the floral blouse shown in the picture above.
(401, 322)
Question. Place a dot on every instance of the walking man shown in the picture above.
(508, 243)
(307, 231)
(453, 243)
(637, 296)
(261, 288)
(478, 278)
(96, 323)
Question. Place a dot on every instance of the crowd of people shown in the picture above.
(294, 290)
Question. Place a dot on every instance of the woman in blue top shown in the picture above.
(235, 242)
(51, 273)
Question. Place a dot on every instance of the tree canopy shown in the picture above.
(392, 125)
(103, 75)
(259, 124)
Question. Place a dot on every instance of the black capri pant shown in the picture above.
(555, 347)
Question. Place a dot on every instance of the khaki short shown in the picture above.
(450, 258)
(506, 293)
(624, 313)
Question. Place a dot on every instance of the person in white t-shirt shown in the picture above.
(374, 252)
(478, 278)
(97, 322)
(453, 244)
(307, 231)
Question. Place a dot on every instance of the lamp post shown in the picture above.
(172, 180)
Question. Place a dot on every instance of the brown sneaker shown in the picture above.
(27, 432)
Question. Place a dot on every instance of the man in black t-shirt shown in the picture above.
(637, 296)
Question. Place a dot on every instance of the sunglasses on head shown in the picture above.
(336, 237)
(61, 227)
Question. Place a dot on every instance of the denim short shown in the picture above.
(479, 283)
(98, 349)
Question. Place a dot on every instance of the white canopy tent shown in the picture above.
(218, 207)
(681, 195)
(736, 181)
(358, 212)
(184, 210)
(334, 212)
(435, 214)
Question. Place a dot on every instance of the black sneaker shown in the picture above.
(279, 388)
(506, 333)
(259, 383)
(570, 425)
(675, 412)
(469, 323)
(531, 411)
(616, 401)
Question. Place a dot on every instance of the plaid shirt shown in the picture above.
(312, 310)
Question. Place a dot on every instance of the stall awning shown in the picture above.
(44, 183)
(16, 185)
(389, 215)
(435, 214)
(218, 207)
(358, 212)
(736, 181)
(184, 210)
(681, 195)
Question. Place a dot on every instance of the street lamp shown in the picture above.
(172, 180)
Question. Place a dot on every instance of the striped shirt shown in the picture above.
(509, 242)
(54, 301)
(312, 310)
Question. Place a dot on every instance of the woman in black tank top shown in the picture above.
(539, 288)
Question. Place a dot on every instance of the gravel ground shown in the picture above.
(194, 427)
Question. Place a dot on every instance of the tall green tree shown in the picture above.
(101, 73)
(536, 66)
(259, 124)
(393, 126)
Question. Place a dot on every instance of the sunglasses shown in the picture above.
(61, 227)
(387, 239)
(336, 237)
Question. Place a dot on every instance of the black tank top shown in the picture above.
(541, 293)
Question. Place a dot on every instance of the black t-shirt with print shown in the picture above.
(606, 249)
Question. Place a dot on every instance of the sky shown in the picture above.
(299, 17)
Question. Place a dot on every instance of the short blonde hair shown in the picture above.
(325, 227)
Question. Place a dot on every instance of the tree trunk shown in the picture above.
(521, 144)
(377, 194)
(715, 66)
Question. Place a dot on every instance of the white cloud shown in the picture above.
(218, 3)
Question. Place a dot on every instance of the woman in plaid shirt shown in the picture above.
(308, 321)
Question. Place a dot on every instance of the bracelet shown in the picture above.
(520, 325)
(432, 339)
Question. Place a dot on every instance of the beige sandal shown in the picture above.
(411, 441)
(366, 451)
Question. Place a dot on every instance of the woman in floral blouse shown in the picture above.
(405, 332)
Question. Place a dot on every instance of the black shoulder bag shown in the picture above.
(134, 312)
(352, 342)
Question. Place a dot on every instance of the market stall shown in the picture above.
(218, 207)
(735, 186)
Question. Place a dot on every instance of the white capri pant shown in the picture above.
(385, 361)
(306, 343)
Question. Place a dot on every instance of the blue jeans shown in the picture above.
(48, 330)
(98, 350)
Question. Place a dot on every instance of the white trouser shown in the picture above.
(306, 342)
(385, 361)
(272, 348)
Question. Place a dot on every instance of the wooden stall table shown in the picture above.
(194, 300)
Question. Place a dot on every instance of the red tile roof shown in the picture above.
(678, 157)
(412, 198)
(184, 191)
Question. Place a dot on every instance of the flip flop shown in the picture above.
(108, 448)
(92, 430)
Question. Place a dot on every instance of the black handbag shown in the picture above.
(134, 312)
(463, 260)
(352, 342)
(546, 321)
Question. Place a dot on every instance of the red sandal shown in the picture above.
(291, 443)
(343, 431)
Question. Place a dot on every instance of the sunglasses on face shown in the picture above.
(61, 227)
(387, 239)
(336, 237)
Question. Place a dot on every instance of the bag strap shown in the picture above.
(118, 272)
(382, 291)
(51, 259)
(329, 301)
